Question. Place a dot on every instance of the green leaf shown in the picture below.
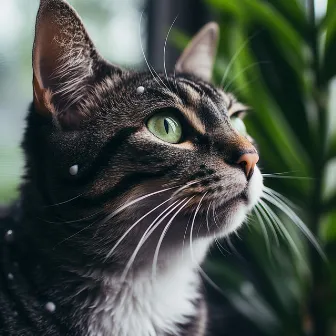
(329, 64)
(294, 12)
(283, 141)
(328, 227)
(260, 12)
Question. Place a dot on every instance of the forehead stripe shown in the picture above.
(203, 87)
(192, 101)
(195, 86)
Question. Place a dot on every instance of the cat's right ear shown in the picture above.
(65, 62)
(199, 56)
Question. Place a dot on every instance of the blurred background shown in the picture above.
(278, 57)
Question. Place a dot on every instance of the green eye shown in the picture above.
(238, 125)
(165, 126)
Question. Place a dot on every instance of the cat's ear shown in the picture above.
(199, 56)
(65, 61)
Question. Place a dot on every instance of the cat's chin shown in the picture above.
(234, 212)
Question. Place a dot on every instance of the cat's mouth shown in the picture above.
(224, 210)
(223, 191)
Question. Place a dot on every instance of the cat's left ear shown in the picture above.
(65, 63)
(199, 56)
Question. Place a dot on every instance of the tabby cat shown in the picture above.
(128, 178)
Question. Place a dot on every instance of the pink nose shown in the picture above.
(248, 161)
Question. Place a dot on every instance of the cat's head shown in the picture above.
(116, 155)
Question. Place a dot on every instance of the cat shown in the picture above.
(124, 171)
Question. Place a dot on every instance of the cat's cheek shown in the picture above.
(255, 188)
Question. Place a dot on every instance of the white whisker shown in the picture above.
(164, 49)
(288, 177)
(281, 173)
(63, 202)
(120, 209)
(156, 254)
(218, 244)
(226, 88)
(199, 268)
(259, 212)
(264, 230)
(282, 229)
(143, 52)
(133, 226)
(75, 234)
(276, 194)
(147, 234)
(296, 220)
(233, 59)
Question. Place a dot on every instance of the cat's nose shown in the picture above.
(248, 162)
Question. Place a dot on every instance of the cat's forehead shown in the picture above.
(196, 94)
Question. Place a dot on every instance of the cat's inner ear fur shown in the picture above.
(199, 56)
(65, 61)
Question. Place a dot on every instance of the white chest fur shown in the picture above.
(146, 306)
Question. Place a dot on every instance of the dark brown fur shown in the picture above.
(99, 123)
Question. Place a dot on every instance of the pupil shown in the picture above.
(166, 125)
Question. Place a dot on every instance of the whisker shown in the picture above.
(67, 201)
(281, 173)
(235, 56)
(185, 234)
(282, 229)
(218, 244)
(276, 194)
(164, 49)
(75, 234)
(146, 235)
(297, 221)
(264, 230)
(133, 226)
(143, 52)
(188, 184)
(199, 268)
(72, 221)
(175, 83)
(288, 177)
(156, 254)
(259, 212)
(237, 90)
(231, 247)
(120, 209)
(160, 79)
(207, 217)
(226, 88)
(193, 221)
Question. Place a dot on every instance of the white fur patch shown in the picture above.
(147, 306)
(255, 188)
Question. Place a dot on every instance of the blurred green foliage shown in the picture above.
(280, 59)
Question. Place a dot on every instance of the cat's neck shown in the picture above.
(106, 303)
(145, 304)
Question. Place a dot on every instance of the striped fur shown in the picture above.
(76, 236)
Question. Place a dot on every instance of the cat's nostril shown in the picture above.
(248, 161)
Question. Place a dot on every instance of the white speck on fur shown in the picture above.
(50, 307)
